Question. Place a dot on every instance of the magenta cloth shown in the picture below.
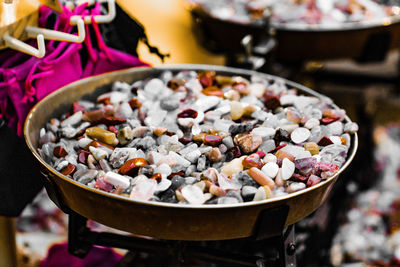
(25, 80)
(15, 71)
(56, 71)
(58, 255)
(14, 85)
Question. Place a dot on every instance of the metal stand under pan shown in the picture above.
(272, 244)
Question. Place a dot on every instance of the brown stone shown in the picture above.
(249, 143)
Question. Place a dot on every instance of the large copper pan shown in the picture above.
(164, 220)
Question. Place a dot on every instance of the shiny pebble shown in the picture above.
(300, 135)
(288, 168)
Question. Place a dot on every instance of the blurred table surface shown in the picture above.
(168, 26)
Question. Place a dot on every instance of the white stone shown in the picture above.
(200, 117)
(61, 165)
(296, 186)
(186, 122)
(193, 194)
(116, 97)
(84, 142)
(257, 89)
(139, 179)
(289, 127)
(287, 99)
(179, 159)
(196, 129)
(163, 185)
(293, 150)
(336, 139)
(144, 190)
(270, 158)
(155, 117)
(98, 153)
(154, 86)
(222, 110)
(264, 132)
(222, 125)
(226, 183)
(287, 169)
(73, 119)
(336, 128)
(303, 101)
(164, 169)
(154, 157)
(270, 169)
(206, 102)
(300, 135)
(311, 123)
(193, 156)
(303, 154)
(260, 194)
(195, 85)
(117, 180)
(188, 149)
(124, 111)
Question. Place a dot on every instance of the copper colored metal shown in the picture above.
(158, 219)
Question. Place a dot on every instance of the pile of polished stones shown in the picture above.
(199, 137)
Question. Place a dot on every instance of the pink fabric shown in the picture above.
(97, 257)
(41, 81)
(14, 85)
(25, 80)
(64, 60)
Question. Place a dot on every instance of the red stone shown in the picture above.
(313, 180)
(299, 178)
(252, 160)
(188, 113)
(104, 100)
(235, 151)
(174, 84)
(281, 135)
(70, 169)
(261, 154)
(131, 166)
(59, 152)
(99, 144)
(175, 173)
(326, 166)
(277, 148)
(185, 140)
(112, 128)
(103, 185)
(327, 120)
(135, 103)
(213, 91)
(77, 107)
(94, 115)
(206, 78)
(325, 141)
(271, 101)
(82, 156)
(212, 140)
(110, 120)
(157, 176)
